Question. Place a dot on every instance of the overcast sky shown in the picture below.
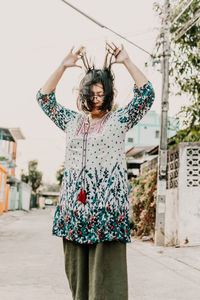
(35, 37)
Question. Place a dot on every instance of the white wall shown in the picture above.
(171, 218)
(182, 222)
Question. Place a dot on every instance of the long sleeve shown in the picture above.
(60, 115)
(134, 111)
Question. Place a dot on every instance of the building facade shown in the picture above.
(147, 131)
(8, 148)
(14, 194)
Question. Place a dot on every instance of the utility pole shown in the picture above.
(162, 157)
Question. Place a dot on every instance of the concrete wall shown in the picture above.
(24, 196)
(171, 218)
(189, 193)
(182, 223)
(13, 199)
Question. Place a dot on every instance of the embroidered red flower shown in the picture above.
(107, 207)
(75, 212)
(93, 218)
(112, 227)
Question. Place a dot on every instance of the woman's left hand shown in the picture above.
(120, 55)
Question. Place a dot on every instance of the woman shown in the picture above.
(92, 214)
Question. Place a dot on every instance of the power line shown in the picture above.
(182, 11)
(104, 26)
(187, 26)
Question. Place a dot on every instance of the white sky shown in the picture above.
(35, 37)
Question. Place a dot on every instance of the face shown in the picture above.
(97, 95)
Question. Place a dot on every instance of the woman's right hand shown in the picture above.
(70, 60)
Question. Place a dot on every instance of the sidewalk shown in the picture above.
(163, 272)
(32, 263)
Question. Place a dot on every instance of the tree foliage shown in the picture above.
(185, 62)
(59, 174)
(185, 135)
(143, 203)
(52, 187)
(185, 59)
(34, 177)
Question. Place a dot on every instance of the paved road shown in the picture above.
(32, 264)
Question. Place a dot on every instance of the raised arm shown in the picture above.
(46, 98)
(68, 62)
(144, 94)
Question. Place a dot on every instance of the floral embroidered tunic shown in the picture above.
(105, 215)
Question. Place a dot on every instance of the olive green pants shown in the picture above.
(96, 272)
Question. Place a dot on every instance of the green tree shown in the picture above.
(53, 187)
(143, 203)
(185, 135)
(34, 177)
(59, 174)
(185, 59)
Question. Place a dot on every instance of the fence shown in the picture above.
(4, 190)
(13, 196)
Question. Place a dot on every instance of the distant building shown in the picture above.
(8, 149)
(137, 156)
(14, 194)
(147, 131)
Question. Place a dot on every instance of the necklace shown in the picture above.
(87, 125)
(82, 193)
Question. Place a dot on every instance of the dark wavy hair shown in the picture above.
(94, 76)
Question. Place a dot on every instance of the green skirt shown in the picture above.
(97, 271)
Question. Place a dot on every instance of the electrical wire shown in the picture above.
(104, 26)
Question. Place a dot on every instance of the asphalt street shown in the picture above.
(32, 263)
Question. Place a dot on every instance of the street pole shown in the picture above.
(162, 156)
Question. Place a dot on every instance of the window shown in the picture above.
(130, 140)
(157, 134)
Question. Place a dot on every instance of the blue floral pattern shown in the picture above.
(60, 115)
(132, 113)
(105, 215)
